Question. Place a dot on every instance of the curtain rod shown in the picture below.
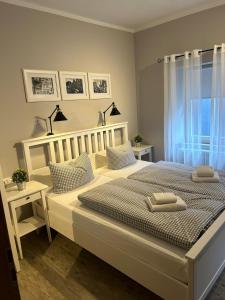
(159, 60)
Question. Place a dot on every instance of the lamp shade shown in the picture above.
(59, 116)
(114, 111)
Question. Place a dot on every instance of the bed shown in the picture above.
(167, 270)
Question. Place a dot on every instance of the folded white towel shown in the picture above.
(164, 198)
(179, 205)
(204, 171)
(197, 178)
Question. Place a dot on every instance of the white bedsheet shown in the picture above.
(124, 172)
(160, 255)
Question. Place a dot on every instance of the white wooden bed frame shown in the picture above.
(206, 259)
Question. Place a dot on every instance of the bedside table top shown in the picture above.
(32, 187)
(141, 148)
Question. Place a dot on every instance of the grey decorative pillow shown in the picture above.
(70, 175)
(120, 157)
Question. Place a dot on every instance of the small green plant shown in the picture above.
(138, 139)
(19, 176)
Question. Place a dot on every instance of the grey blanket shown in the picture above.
(125, 200)
(178, 177)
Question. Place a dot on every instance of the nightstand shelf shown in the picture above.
(30, 224)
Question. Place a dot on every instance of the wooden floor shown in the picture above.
(63, 270)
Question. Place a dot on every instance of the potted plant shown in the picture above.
(20, 177)
(138, 140)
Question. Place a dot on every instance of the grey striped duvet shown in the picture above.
(125, 200)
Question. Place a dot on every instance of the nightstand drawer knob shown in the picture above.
(27, 198)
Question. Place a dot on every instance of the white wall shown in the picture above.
(37, 40)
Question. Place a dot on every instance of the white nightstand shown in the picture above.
(34, 191)
(142, 150)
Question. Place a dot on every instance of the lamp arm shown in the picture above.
(50, 121)
(108, 107)
(57, 107)
(104, 112)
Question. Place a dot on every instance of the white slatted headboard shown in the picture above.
(66, 146)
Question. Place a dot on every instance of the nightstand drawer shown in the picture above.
(25, 200)
(145, 151)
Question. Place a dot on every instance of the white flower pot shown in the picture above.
(21, 185)
(138, 145)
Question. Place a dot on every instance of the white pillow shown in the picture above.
(70, 175)
(120, 156)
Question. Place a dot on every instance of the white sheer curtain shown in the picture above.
(217, 133)
(186, 90)
(182, 109)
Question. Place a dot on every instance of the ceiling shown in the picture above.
(128, 15)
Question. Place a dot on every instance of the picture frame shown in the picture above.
(74, 85)
(41, 85)
(99, 86)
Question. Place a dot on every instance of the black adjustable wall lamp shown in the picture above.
(58, 117)
(114, 112)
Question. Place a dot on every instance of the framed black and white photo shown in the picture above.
(41, 85)
(99, 86)
(74, 85)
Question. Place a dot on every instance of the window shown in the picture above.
(202, 109)
(203, 116)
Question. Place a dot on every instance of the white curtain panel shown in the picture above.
(182, 109)
(217, 133)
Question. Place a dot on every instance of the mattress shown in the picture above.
(124, 172)
(159, 254)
